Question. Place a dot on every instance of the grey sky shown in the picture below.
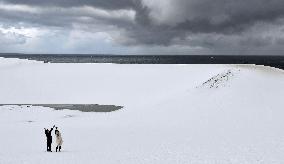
(142, 26)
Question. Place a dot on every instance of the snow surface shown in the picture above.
(171, 113)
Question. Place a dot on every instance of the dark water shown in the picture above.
(273, 61)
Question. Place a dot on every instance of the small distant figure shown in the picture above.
(59, 140)
(48, 138)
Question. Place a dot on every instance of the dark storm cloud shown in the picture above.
(64, 13)
(156, 22)
(189, 17)
(107, 4)
(234, 16)
(62, 17)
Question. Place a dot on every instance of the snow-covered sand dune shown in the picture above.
(172, 113)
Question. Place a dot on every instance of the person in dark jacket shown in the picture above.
(48, 138)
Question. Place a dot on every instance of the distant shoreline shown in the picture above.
(273, 61)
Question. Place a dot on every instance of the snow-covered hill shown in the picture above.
(172, 113)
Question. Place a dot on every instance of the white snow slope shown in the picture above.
(172, 113)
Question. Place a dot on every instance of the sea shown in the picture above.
(266, 60)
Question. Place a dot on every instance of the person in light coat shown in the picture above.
(59, 140)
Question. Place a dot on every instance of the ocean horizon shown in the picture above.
(266, 60)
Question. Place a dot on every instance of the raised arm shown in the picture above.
(52, 128)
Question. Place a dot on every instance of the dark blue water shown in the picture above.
(273, 61)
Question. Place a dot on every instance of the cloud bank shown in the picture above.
(142, 26)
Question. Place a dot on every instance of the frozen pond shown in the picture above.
(80, 107)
